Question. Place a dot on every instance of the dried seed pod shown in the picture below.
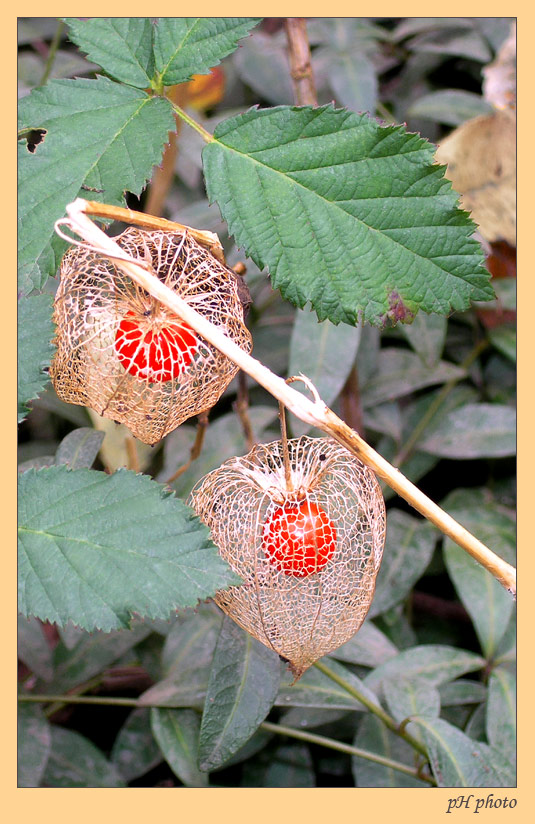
(305, 536)
(122, 353)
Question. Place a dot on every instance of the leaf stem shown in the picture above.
(300, 61)
(323, 741)
(54, 46)
(206, 136)
(406, 450)
(377, 710)
(108, 701)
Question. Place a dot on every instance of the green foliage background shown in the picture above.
(357, 228)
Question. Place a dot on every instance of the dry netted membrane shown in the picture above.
(125, 355)
(308, 557)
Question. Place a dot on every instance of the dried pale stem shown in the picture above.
(300, 62)
(285, 454)
(242, 408)
(316, 413)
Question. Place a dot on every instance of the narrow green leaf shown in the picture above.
(327, 362)
(400, 372)
(461, 692)
(121, 45)
(35, 332)
(315, 689)
(501, 712)
(372, 735)
(135, 751)
(476, 430)
(450, 106)
(409, 546)
(244, 682)
(74, 761)
(290, 766)
(487, 602)
(99, 134)
(353, 79)
(369, 647)
(459, 761)
(426, 335)
(33, 648)
(406, 697)
(431, 664)
(177, 734)
(97, 548)
(503, 338)
(349, 215)
(33, 745)
(262, 63)
(184, 46)
(79, 448)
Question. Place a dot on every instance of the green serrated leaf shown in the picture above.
(74, 761)
(347, 214)
(487, 602)
(184, 46)
(408, 550)
(79, 448)
(99, 134)
(135, 751)
(97, 548)
(177, 734)
(327, 363)
(372, 735)
(35, 332)
(244, 681)
(33, 745)
(121, 45)
(459, 761)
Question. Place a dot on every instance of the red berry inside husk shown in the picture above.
(154, 354)
(299, 539)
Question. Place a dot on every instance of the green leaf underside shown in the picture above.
(244, 681)
(99, 134)
(184, 46)
(121, 45)
(35, 332)
(96, 549)
(349, 215)
(459, 761)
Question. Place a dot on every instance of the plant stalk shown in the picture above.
(300, 62)
(316, 412)
(54, 46)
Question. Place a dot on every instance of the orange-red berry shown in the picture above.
(154, 354)
(299, 539)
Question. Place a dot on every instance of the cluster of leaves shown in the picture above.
(354, 218)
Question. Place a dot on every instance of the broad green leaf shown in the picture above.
(349, 215)
(184, 46)
(426, 335)
(450, 106)
(290, 766)
(431, 664)
(400, 372)
(369, 647)
(33, 648)
(35, 332)
(324, 353)
(79, 448)
(33, 745)
(503, 338)
(459, 761)
(97, 548)
(315, 689)
(74, 761)
(405, 698)
(488, 603)
(462, 691)
(476, 430)
(177, 734)
(99, 134)
(372, 735)
(310, 717)
(135, 751)
(501, 712)
(121, 45)
(408, 550)
(244, 681)
(92, 654)
(262, 63)
(223, 439)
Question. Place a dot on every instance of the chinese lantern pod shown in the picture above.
(308, 557)
(122, 353)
